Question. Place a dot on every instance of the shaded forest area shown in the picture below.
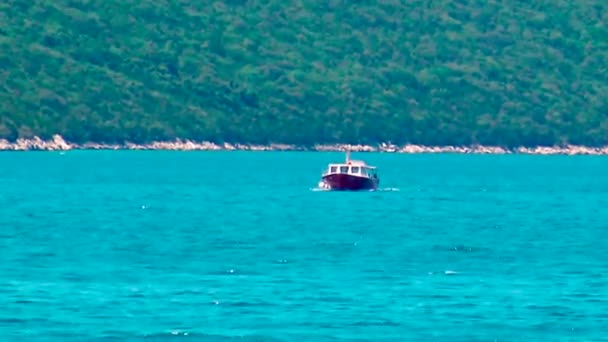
(432, 72)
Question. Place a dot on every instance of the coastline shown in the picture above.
(59, 144)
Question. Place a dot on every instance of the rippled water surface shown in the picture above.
(215, 246)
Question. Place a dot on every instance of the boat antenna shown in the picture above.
(347, 155)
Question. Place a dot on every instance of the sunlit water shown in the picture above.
(211, 246)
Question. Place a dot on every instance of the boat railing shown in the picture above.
(361, 171)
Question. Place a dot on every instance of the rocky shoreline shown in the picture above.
(57, 143)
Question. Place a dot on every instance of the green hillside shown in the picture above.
(500, 72)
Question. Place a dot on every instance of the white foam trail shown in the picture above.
(379, 190)
(388, 189)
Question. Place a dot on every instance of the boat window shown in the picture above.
(354, 169)
(333, 169)
(343, 169)
(364, 171)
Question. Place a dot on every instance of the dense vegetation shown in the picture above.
(502, 72)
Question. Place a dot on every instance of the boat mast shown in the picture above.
(347, 155)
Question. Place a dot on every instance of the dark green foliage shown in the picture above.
(320, 71)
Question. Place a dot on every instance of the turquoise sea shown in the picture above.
(219, 246)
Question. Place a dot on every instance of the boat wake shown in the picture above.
(388, 189)
(322, 189)
(321, 186)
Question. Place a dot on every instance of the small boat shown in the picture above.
(350, 175)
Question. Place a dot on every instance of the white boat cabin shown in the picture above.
(353, 167)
